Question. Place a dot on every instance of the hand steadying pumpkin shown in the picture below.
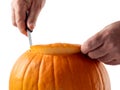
(19, 10)
(105, 45)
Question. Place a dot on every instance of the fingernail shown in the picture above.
(31, 26)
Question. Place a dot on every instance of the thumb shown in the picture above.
(92, 43)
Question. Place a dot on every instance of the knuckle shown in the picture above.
(92, 55)
(20, 25)
(22, 31)
(14, 3)
(19, 22)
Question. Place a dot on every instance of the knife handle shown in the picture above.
(28, 30)
(26, 23)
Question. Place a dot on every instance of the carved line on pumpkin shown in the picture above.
(58, 48)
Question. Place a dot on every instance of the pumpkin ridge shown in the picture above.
(26, 70)
(103, 81)
(53, 67)
(91, 81)
(100, 77)
(39, 72)
(69, 67)
(26, 54)
(99, 72)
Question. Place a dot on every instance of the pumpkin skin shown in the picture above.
(58, 66)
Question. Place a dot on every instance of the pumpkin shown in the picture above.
(57, 66)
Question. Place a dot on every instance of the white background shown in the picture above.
(72, 21)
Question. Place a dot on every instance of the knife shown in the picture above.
(29, 37)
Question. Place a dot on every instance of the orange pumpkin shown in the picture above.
(58, 66)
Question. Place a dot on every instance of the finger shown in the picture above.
(34, 12)
(92, 43)
(111, 58)
(106, 58)
(98, 52)
(113, 62)
(20, 15)
(13, 14)
(13, 17)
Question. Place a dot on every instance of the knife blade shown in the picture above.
(29, 37)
